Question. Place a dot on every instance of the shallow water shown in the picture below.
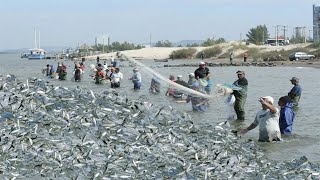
(263, 81)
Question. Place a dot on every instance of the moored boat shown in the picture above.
(36, 53)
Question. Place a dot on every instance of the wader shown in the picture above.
(239, 106)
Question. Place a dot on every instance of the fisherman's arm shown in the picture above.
(252, 126)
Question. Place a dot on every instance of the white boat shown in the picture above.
(37, 52)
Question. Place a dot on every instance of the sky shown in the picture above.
(71, 22)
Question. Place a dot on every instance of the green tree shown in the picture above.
(258, 35)
(165, 43)
(211, 42)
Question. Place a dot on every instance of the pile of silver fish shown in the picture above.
(50, 132)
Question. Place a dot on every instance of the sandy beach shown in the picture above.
(164, 53)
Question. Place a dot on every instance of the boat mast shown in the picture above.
(35, 38)
(39, 39)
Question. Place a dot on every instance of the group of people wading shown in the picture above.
(272, 122)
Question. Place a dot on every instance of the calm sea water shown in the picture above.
(263, 81)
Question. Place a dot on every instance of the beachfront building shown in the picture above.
(278, 41)
(316, 22)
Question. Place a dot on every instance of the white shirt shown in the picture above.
(105, 66)
(268, 125)
(116, 77)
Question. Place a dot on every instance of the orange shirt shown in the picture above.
(101, 73)
(245, 54)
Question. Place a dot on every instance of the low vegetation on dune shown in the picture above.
(187, 53)
(210, 52)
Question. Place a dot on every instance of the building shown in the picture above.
(316, 22)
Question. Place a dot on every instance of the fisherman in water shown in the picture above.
(155, 85)
(99, 76)
(240, 95)
(295, 92)
(136, 79)
(198, 103)
(268, 121)
(202, 74)
(63, 72)
(50, 71)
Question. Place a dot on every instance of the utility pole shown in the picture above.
(263, 37)
(275, 34)
(103, 44)
(240, 38)
(304, 34)
(310, 33)
(277, 38)
(284, 33)
(318, 32)
(150, 40)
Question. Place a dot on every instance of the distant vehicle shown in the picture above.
(300, 56)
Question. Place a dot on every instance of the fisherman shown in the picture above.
(63, 72)
(78, 73)
(181, 81)
(98, 60)
(155, 85)
(245, 56)
(99, 76)
(170, 89)
(82, 67)
(112, 69)
(116, 77)
(198, 103)
(105, 67)
(202, 55)
(50, 71)
(295, 92)
(240, 95)
(203, 75)
(268, 121)
(113, 62)
(136, 79)
(192, 79)
(286, 115)
(177, 93)
(231, 57)
(83, 60)
(58, 70)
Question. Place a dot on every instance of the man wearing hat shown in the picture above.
(268, 121)
(240, 95)
(136, 79)
(203, 75)
(295, 92)
(177, 93)
(192, 79)
(181, 81)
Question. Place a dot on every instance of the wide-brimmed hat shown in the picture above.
(191, 74)
(179, 76)
(202, 63)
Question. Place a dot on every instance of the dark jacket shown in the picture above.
(286, 118)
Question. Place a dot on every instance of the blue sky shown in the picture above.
(69, 22)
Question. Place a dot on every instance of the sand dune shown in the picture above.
(164, 52)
